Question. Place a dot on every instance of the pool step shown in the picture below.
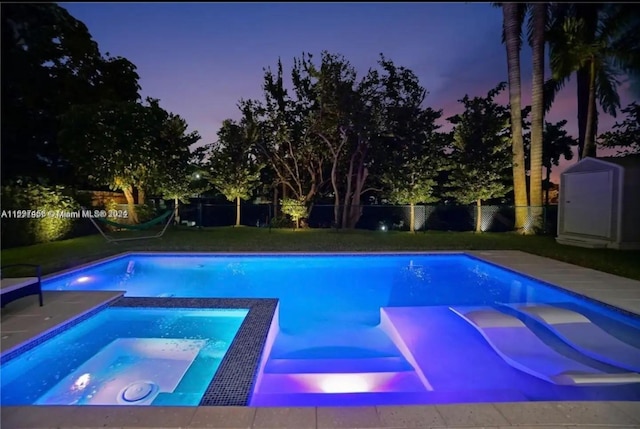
(345, 341)
(338, 359)
(317, 366)
(334, 382)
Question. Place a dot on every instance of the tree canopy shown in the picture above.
(126, 145)
(480, 151)
(233, 167)
(625, 135)
(50, 63)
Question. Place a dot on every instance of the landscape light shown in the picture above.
(81, 382)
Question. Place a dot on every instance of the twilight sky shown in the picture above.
(199, 59)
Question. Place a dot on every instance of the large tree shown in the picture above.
(233, 167)
(277, 126)
(49, 63)
(168, 136)
(512, 18)
(415, 154)
(174, 177)
(599, 42)
(333, 108)
(123, 145)
(356, 124)
(480, 151)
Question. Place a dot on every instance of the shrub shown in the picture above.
(56, 214)
(145, 212)
(294, 208)
(281, 222)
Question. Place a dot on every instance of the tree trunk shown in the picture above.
(335, 152)
(275, 201)
(336, 193)
(537, 103)
(582, 76)
(537, 110)
(237, 211)
(142, 197)
(412, 217)
(512, 39)
(479, 215)
(588, 14)
(357, 176)
(546, 197)
(347, 194)
(131, 207)
(176, 212)
(589, 136)
(355, 209)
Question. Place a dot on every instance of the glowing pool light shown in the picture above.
(345, 383)
(81, 382)
(83, 279)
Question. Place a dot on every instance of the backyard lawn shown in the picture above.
(65, 254)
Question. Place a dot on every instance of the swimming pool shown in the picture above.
(125, 356)
(399, 329)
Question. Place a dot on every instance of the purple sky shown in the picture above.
(199, 59)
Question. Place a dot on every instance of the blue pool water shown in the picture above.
(125, 356)
(378, 329)
(317, 289)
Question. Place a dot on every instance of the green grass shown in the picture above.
(65, 254)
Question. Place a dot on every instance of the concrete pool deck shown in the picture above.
(26, 319)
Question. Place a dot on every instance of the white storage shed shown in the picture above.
(599, 203)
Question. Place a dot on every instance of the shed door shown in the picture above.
(588, 203)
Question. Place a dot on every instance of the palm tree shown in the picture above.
(599, 42)
(512, 17)
(537, 24)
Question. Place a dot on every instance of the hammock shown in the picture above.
(139, 227)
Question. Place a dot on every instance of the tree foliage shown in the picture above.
(600, 42)
(277, 125)
(557, 143)
(44, 227)
(332, 133)
(125, 145)
(297, 209)
(480, 151)
(50, 63)
(625, 135)
(171, 159)
(233, 167)
(415, 153)
(179, 182)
